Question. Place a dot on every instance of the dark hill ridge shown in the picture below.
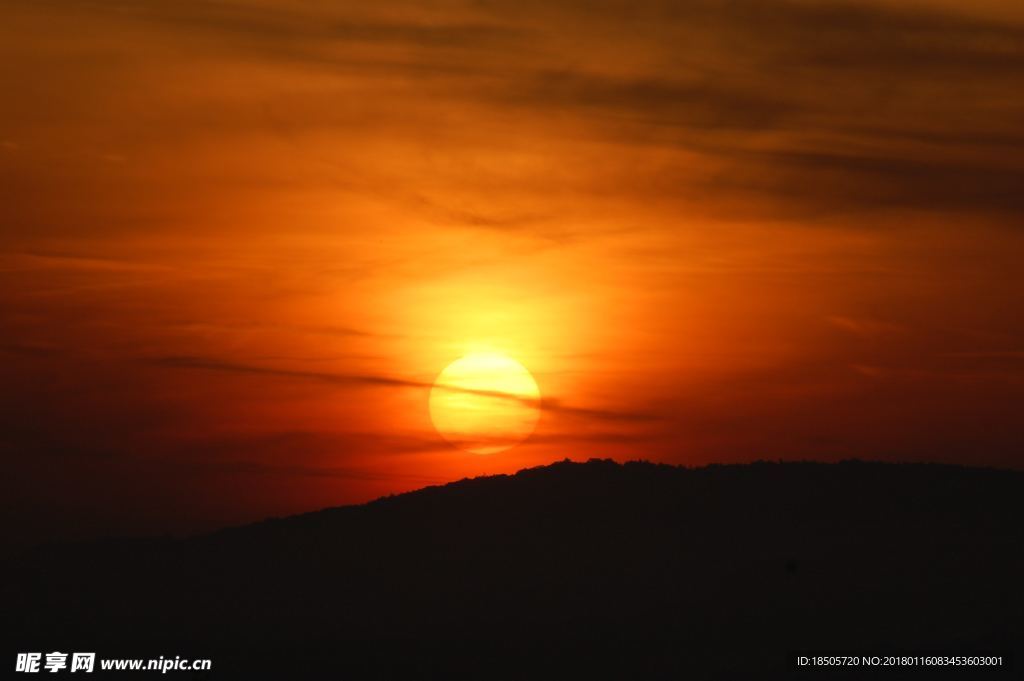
(640, 568)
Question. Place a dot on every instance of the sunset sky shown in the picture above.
(240, 240)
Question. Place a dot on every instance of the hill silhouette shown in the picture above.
(632, 570)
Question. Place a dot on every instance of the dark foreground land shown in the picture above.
(568, 571)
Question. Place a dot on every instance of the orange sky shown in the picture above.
(238, 238)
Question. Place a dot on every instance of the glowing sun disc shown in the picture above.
(485, 403)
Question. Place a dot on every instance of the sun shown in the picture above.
(485, 403)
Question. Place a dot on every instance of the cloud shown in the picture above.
(283, 29)
(291, 469)
(41, 350)
(988, 354)
(303, 454)
(17, 262)
(360, 379)
(866, 328)
(300, 453)
(795, 107)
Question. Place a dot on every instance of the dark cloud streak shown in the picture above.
(358, 379)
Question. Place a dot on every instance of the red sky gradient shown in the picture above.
(237, 239)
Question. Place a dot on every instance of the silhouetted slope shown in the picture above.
(639, 568)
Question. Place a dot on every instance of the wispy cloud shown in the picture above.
(844, 107)
(362, 379)
(866, 328)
